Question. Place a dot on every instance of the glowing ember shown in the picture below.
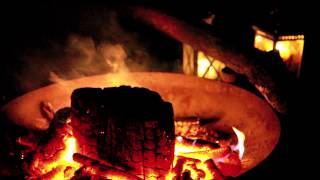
(240, 145)
(197, 160)
(66, 160)
(193, 150)
(192, 159)
(70, 144)
(56, 162)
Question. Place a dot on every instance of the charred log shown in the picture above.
(124, 125)
(102, 168)
(87, 161)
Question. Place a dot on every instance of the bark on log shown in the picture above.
(265, 71)
(132, 126)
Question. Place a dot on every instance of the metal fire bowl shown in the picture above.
(190, 96)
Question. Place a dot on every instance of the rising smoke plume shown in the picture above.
(102, 46)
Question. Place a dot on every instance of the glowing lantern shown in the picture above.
(290, 47)
(198, 63)
(263, 41)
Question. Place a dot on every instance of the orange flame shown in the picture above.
(240, 145)
(70, 144)
(193, 158)
(61, 164)
(65, 161)
(189, 156)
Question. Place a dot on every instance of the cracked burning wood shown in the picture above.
(190, 168)
(25, 111)
(103, 168)
(214, 170)
(132, 126)
(195, 129)
(266, 71)
(87, 161)
(94, 172)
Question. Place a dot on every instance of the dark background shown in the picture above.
(29, 27)
(39, 26)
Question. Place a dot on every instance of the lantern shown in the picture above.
(290, 47)
(199, 64)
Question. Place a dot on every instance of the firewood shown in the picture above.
(109, 173)
(212, 153)
(200, 144)
(103, 168)
(179, 165)
(132, 126)
(214, 170)
(87, 161)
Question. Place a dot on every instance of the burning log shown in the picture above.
(201, 144)
(87, 161)
(200, 149)
(265, 70)
(53, 160)
(132, 126)
(213, 153)
(103, 169)
(230, 165)
(106, 173)
(190, 168)
(213, 169)
(201, 129)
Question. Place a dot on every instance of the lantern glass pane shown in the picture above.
(263, 43)
(291, 52)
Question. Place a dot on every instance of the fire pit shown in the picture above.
(218, 105)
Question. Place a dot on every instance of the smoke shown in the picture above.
(103, 46)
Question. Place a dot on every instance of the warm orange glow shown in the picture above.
(190, 156)
(66, 160)
(284, 49)
(170, 175)
(202, 153)
(291, 52)
(195, 159)
(188, 65)
(204, 63)
(290, 48)
(240, 145)
(263, 43)
(62, 165)
(70, 149)
(293, 37)
(109, 174)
